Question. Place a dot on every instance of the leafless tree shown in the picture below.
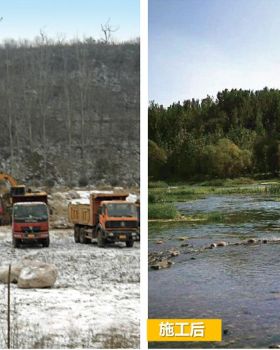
(107, 30)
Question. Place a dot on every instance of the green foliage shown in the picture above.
(157, 159)
(273, 189)
(185, 193)
(162, 211)
(236, 134)
(225, 159)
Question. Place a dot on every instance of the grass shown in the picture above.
(187, 192)
(273, 189)
(229, 182)
(214, 217)
(162, 211)
(162, 198)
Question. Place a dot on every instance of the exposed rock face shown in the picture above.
(38, 275)
(30, 274)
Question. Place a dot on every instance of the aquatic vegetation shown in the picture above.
(162, 211)
(273, 189)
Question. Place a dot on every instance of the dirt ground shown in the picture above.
(94, 303)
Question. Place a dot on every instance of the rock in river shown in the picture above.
(222, 244)
(252, 241)
(162, 264)
(184, 238)
(213, 245)
(174, 253)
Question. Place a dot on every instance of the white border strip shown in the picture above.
(144, 172)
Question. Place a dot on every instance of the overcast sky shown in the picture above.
(199, 47)
(71, 18)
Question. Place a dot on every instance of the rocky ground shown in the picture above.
(94, 303)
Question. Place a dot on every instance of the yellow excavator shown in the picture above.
(10, 193)
(8, 187)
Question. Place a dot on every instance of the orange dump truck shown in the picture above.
(30, 219)
(107, 218)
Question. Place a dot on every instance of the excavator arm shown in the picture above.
(8, 178)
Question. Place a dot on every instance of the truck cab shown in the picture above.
(118, 222)
(30, 223)
(105, 218)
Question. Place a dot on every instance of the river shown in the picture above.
(239, 284)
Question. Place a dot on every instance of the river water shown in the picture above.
(239, 284)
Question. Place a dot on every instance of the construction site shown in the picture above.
(91, 237)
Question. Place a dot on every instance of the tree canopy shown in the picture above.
(236, 133)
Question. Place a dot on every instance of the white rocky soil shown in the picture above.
(94, 302)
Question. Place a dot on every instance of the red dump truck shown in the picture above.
(107, 218)
(30, 219)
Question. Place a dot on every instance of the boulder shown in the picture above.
(162, 264)
(221, 244)
(37, 275)
(15, 271)
(45, 272)
(183, 238)
(174, 253)
(252, 241)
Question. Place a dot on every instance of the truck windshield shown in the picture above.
(30, 212)
(121, 210)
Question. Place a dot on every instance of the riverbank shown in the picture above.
(163, 196)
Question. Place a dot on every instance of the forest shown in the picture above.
(69, 111)
(235, 134)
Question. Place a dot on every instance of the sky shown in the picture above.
(200, 47)
(69, 18)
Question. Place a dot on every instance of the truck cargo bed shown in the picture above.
(79, 214)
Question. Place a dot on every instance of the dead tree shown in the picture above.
(107, 30)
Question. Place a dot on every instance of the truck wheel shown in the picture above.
(100, 239)
(129, 243)
(77, 234)
(16, 243)
(46, 242)
(83, 238)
